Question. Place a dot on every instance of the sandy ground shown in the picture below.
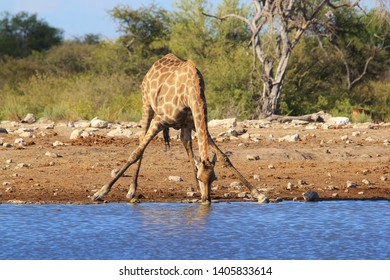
(324, 160)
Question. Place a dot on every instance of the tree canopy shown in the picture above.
(23, 33)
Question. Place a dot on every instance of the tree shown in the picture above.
(277, 26)
(22, 34)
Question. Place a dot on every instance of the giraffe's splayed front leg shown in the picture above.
(99, 195)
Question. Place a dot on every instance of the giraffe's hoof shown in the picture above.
(131, 193)
(98, 196)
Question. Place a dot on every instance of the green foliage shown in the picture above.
(88, 76)
(22, 34)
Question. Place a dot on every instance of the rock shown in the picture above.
(29, 118)
(351, 185)
(26, 134)
(370, 139)
(361, 193)
(175, 178)
(191, 194)
(271, 166)
(256, 177)
(338, 121)
(252, 157)
(75, 134)
(226, 123)
(302, 182)
(335, 195)
(227, 195)
(53, 155)
(344, 138)
(58, 143)
(243, 195)
(311, 196)
(120, 132)
(366, 182)
(20, 142)
(356, 133)
(236, 185)
(8, 161)
(22, 165)
(384, 178)
(98, 123)
(7, 145)
(386, 142)
(290, 186)
(114, 172)
(80, 133)
(290, 138)
(80, 124)
(3, 131)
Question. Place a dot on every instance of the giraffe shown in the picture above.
(173, 96)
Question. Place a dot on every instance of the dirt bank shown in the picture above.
(320, 157)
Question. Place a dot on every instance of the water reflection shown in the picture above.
(326, 230)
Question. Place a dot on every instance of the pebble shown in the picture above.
(53, 155)
(21, 165)
(175, 178)
(311, 196)
(191, 194)
(366, 182)
(58, 143)
(356, 133)
(120, 132)
(252, 157)
(98, 123)
(290, 186)
(114, 172)
(7, 145)
(29, 118)
(271, 166)
(20, 142)
(384, 178)
(335, 195)
(361, 193)
(243, 195)
(236, 184)
(227, 195)
(344, 138)
(256, 177)
(351, 184)
(290, 138)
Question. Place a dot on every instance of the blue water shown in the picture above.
(288, 230)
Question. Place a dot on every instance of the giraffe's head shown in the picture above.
(206, 176)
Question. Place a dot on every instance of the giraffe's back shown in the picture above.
(168, 86)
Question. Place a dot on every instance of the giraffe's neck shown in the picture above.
(199, 112)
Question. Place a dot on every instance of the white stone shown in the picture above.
(175, 178)
(236, 184)
(75, 134)
(338, 121)
(20, 142)
(29, 118)
(58, 143)
(226, 123)
(51, 154)
(252, 157)
(98, 123)
(290, 138)
(119, 132)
